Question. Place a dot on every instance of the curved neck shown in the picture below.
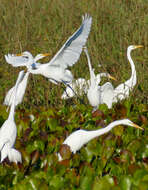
(30, 60)
(99, 132)
(133, 77)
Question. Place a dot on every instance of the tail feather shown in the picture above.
(14, 156)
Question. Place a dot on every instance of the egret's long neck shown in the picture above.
(26, 77)
(93, 134)
(12, 109)
(30, 61)
(133, 78)
(92, 74)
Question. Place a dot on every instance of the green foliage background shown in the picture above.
(117, 160)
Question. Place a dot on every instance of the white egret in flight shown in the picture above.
(24, 59)
(8, 133)
(80, 137)
(56, 70)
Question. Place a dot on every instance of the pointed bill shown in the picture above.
(18, 54)
(137, 126)
(139, 46)
(113, 78)
(45, 54)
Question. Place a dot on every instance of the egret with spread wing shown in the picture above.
(24, 59)
(8, 132)
(77, 139)
(56, 70)
(94, 91)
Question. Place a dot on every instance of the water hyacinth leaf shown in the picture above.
(36, 145)
(65, 151)
(52, 123)
(105, 182)
(18, 177)
(34, 156)
(86, 182)
(57, 182)
(134, 146)
(126, 183)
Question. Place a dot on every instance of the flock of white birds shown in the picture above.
(56, 71)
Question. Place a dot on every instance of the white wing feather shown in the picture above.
(70, 52)
(107, 94)
(16, 61)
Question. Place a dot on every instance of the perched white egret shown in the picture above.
(56, 70)
(109, 94)
(80, 137)
(8, 133)
(94, 91)
(122, 91)
(24, 59)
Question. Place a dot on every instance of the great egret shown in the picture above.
(109, 94)
(122, 91)
(81, 86)
(56, 70)
(24, 59)
(94, 91)
(80, 137)
(8, 133)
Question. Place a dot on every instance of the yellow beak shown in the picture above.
(45, 54)
(19, 54)
(113, 78)
(139, 46)
(137, 126)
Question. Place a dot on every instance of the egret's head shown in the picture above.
(25, 54)
(41, 56)
(134, 47)
(111, 77)
(130, 123)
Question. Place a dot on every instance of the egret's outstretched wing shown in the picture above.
(71, 50)
(107, 94)
(16, 61)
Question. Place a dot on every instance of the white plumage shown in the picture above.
(80, 137)
(8, 132)
(122, 91)
(56, 70)
(94, 93)
(24, 59)
(109, 94)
